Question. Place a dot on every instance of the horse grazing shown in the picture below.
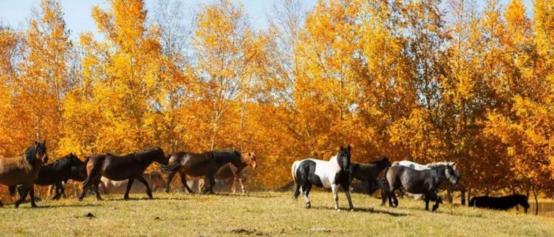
(500, 203)
(24, 170)
(57, 173)
(206, 164)
(130, 167)
(424, 182)
(332, 174)
(154, 178)
(369, 172)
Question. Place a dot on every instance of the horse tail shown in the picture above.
(294, 166)
(293, 170)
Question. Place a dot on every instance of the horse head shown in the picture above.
(249, 159)
(452, 173)
(384, 162)
(37, 152)
(78, 168)
(343, 157)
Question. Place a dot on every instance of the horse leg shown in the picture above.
(242, 189)
(57, 191)
(184, 183)
(169, 179)
(98, 197)
(306, 191)
(350, 205)
(437, 201)
(129, 184)
(86, 185)
(148, 190)
(32, 194)
(22, 195)
(212, 184)
(335, 190)
(233, 185)
(427, 202)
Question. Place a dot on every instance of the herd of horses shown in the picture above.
(404, 176)
(21, 173)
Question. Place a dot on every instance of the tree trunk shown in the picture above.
(535, 192)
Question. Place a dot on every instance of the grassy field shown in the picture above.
(259, 214)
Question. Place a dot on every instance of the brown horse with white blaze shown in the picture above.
(23, 170)
(128, 167)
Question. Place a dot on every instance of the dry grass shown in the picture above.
(260, 214)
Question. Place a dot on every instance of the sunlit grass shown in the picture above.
(263, 213)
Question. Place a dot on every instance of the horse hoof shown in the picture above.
(338, 209)
(308, 205)
(351, 209)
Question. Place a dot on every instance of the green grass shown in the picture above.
(260, 214)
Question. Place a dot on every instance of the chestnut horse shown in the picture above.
(24, 170)
(128, 167)
(206, 164)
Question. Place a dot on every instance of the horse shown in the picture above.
(130, 167)
(57, 173)
(424, 182)
(369, 172)
(206, 164)
(333, 174)
(24, 170)
(111, 186)
(500, 203)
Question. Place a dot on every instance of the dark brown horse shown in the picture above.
(206, 165)
(24, 170)
(130, 166)
(368, 173)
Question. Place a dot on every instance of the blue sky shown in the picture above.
(15, 13)
(77, 12)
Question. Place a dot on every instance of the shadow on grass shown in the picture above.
(46, 206)
(364, 209)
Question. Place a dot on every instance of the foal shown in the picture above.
(332, 174)
(130, 166)
(206, 165)
(24, 170)
(500, 203)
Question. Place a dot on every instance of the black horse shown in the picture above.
(130, 166)
(368, 173)
(206, 165)
(424, 182)
(58, 173)
(500, 203)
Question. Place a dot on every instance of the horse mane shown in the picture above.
(30, 154)
(440, 163)
(63, 162)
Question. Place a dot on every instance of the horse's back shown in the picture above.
(16, 170)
